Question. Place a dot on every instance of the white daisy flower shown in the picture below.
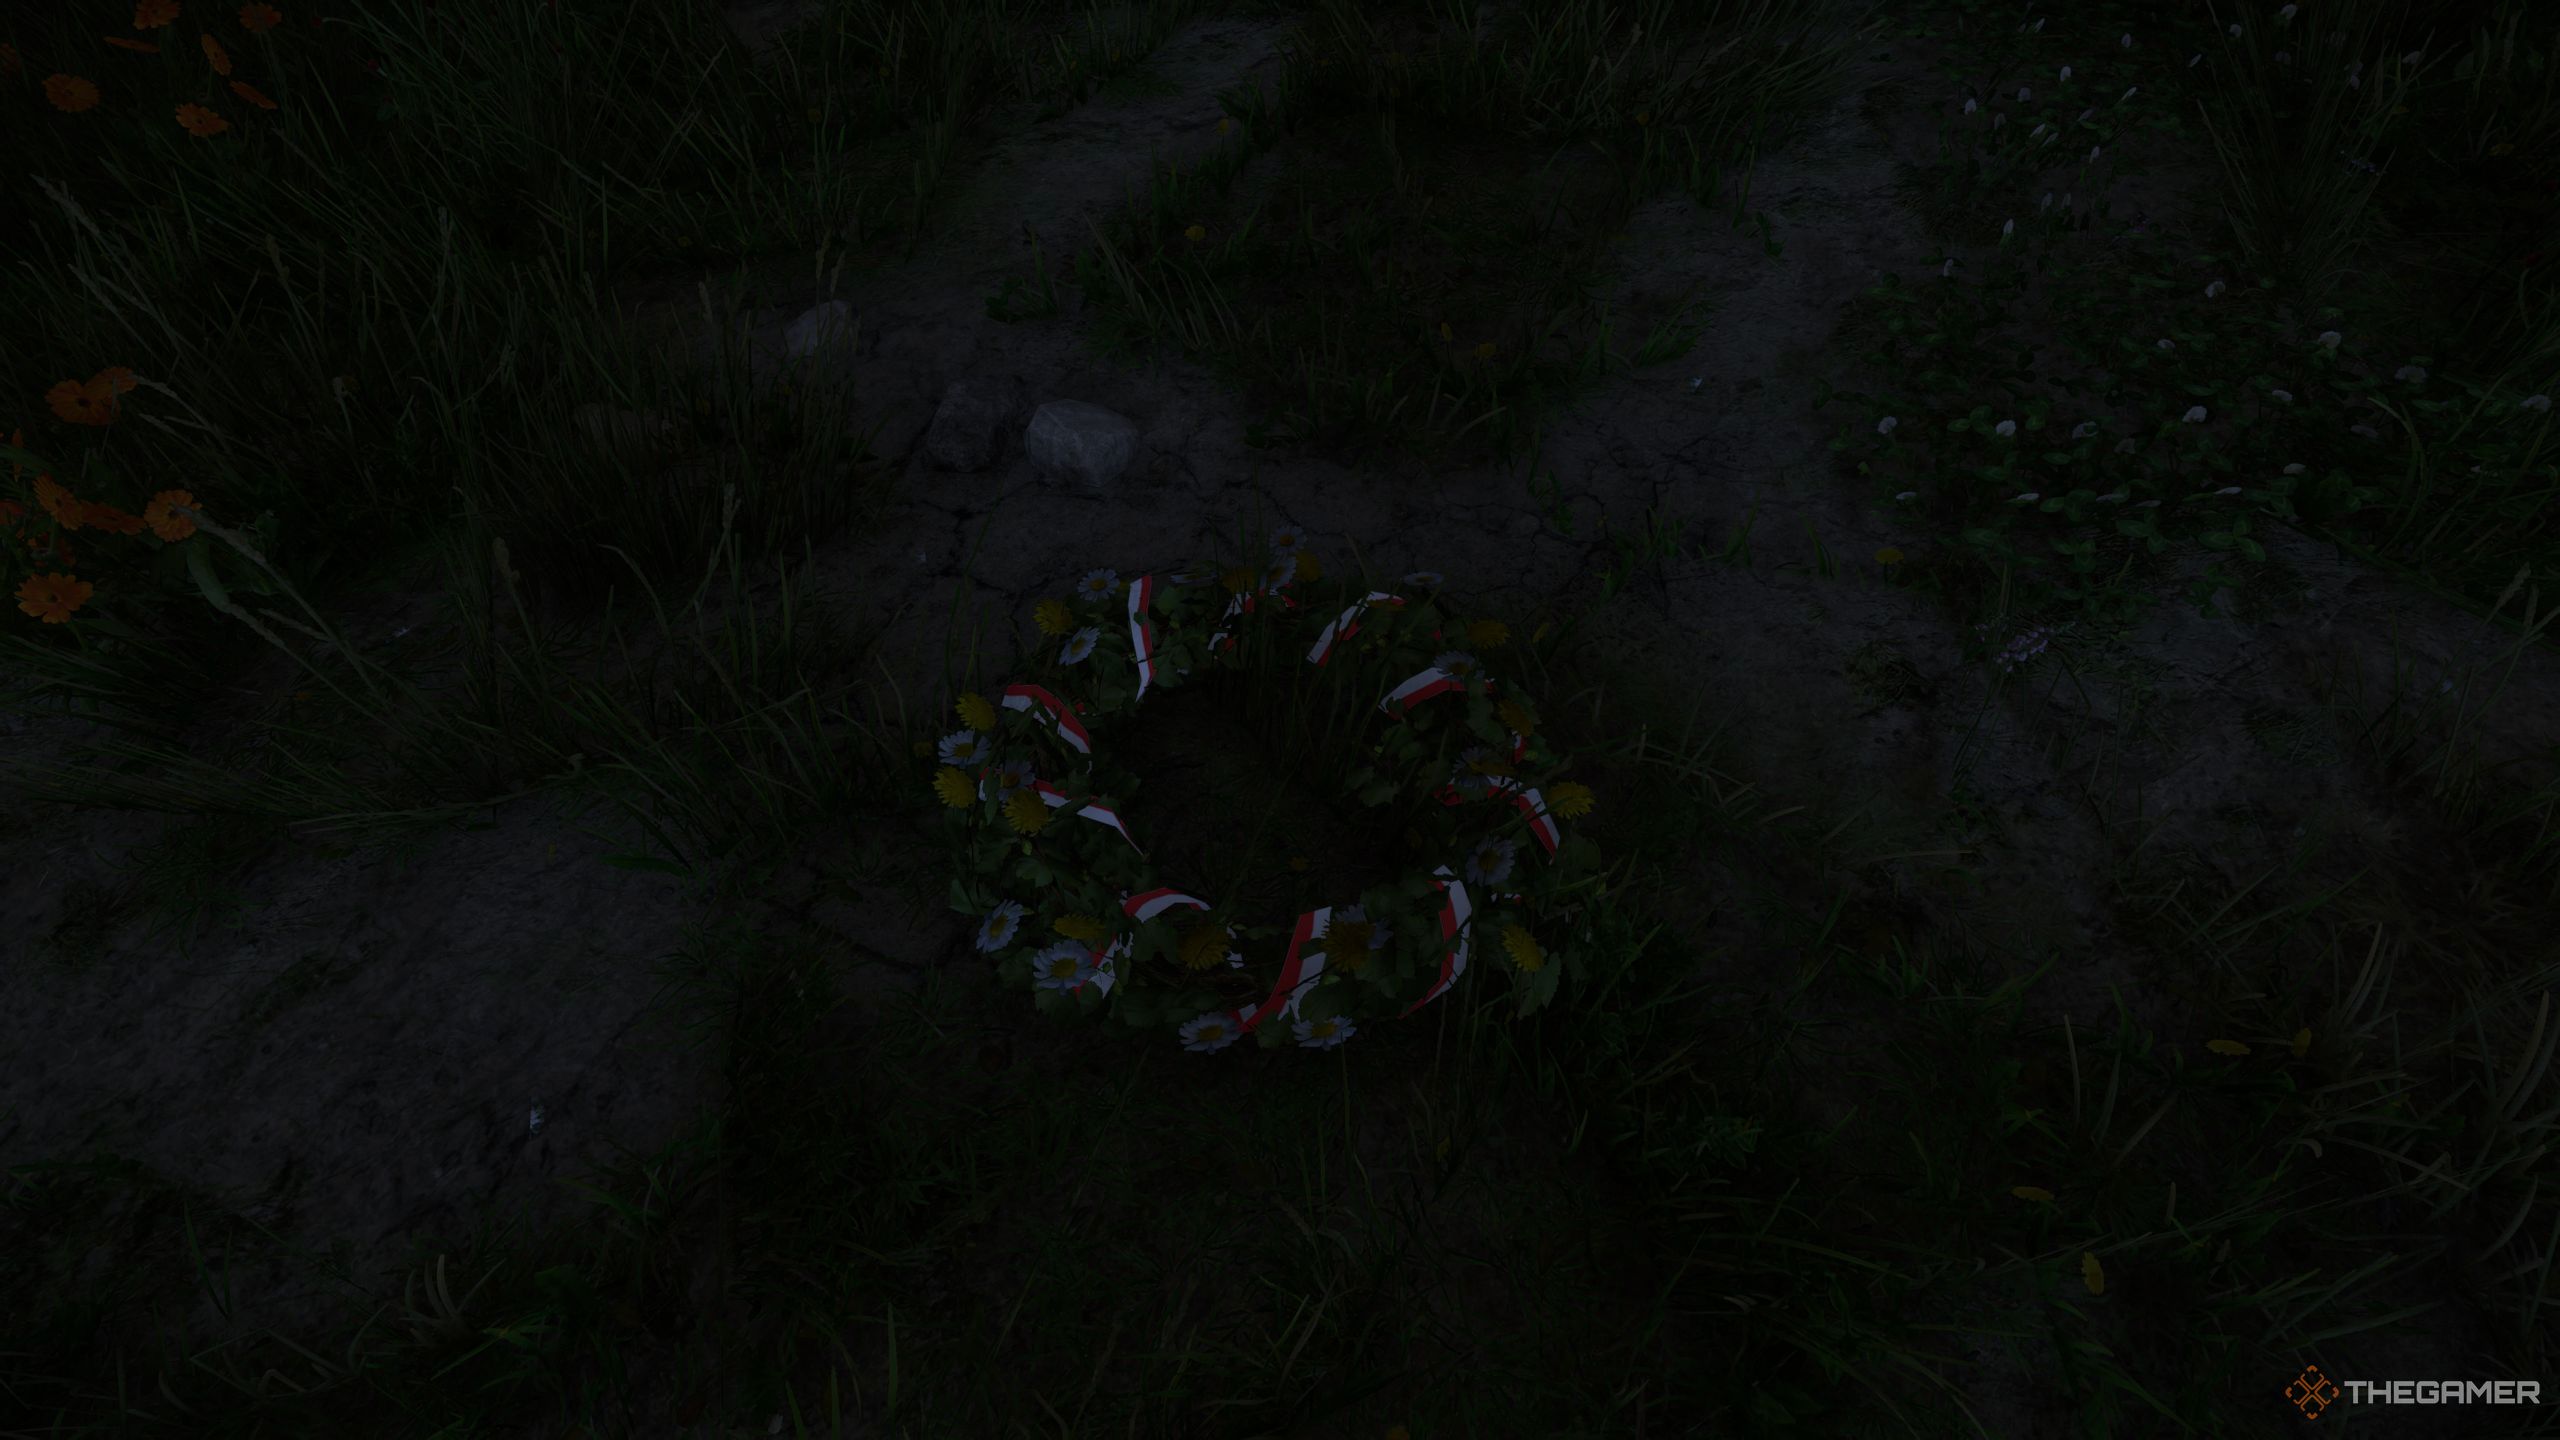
(2124, 42)
(1425, 579)
(2112, 497)
(1282, 571)
(2534, 402)
(2287, 12)
(1947, 269)
(1212, 1031)
(996, 931)
(1489, 863)
(2025, 94)
(1999, 118)
(1288, 539)
(2235, 32)
(2366, 431)
(1889, 424)
(1326, 1033)
(2094, 152)
(2005, 429)
(1062, 966)
(2329, 339)
(2167, 345)
(2088, 115)
(2214, 290)
(965, 748)
(1079, 645)
(2066, 74)
(1970, 106)
(2281, 397)
(1458, 665)
(2414, 374)
(1099, 584)
(2194, 415)
(2294, 469)
(2008, 228)
(1351, 914)
(2125, 446)
(2084, 429)
(2022, 499)
(1013, 775)
(1908, 495)
(2228, 490)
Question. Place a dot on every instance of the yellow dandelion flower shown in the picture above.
(2226, 1047)
(2035, 1194)
(1025, 813)
(1347, 942)
(1445, 333)
(1053, 617)
(2301, 1042)
(2093, 1274)
(1225, 124)
(1081, 927)
(976, 713)
(952, 787)
(1196, 233)
(1523, 949)
(921, 749)
(1485, 350)
(1308, 568)
(1569, 800)
(1487, 634)
(1888, 557)
(1516, 716)
(1203, 946)
(1235, 579)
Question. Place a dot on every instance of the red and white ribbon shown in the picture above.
(1145, 907)
(1455, 910)
(1142, 639)
(1299, 971)
(1347, 624)
(1420, 687)
(1051, 796)
(1529, 802)
(1106, 964)
(1061, 717)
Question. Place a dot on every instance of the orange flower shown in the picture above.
(215, 55)
(201, 122)
(161, 514)
(8, 60)
(110, 519)
(144, 47)
(52, 598)
(65, 508)
(114, 380)
(152, 14)
(70, 94)
(259, 19)
(11, 512)
(250, 93)
(82, 404)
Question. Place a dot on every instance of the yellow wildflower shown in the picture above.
(2301, 1042)
(1202, 947)
(1516, 716)
(976, 713)
(1487, 634)
(2226, 1047)
(1308, 569)
(1080, 927)
(2093, 1274)
(952, 787)
(1569, 800)
(1523, 949)
(2034, 1193)
(1025, 813)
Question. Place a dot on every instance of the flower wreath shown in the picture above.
(1067, 902)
